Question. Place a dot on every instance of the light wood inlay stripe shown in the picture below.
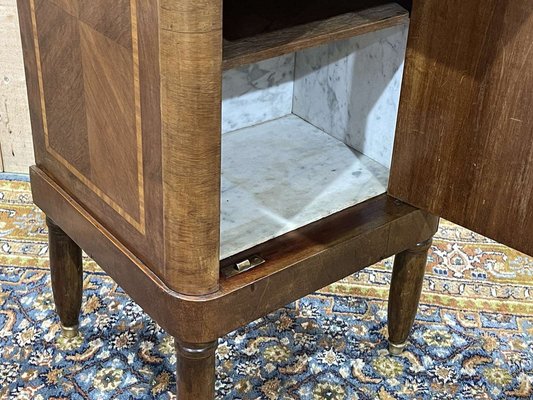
(137, 93)
(39, 69)
(140, 225)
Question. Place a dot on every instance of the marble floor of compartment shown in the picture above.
(286, 173)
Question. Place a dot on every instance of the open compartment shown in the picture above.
(307, 134)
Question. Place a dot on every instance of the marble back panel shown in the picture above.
(351, 89)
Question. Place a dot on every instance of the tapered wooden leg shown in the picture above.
(195, 370)
(67, 277)
(404, 295)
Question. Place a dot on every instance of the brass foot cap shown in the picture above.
(69, 332)
(396, 349)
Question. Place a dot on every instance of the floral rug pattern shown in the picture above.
(473, 337)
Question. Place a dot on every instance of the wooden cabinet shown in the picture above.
(464, 144)
(220, 161)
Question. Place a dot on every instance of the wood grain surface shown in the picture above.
(406, 287)
(464, 144)
(93, 86)
(260, 17)
(191, 72)
(288, 40)
(195, 370)
(66, 271)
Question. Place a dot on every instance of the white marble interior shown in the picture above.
(256, 93)
(280, 169)
(286, 173)
(351, 89)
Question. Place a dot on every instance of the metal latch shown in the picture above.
(242, 266)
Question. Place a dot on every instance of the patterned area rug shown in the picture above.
(472, 338)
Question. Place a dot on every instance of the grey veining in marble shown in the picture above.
(351, 89)
(284, 174)
(257, 93)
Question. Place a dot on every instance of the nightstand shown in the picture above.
(220, 161)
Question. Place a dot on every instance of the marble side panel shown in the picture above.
(256, 93)
(284, 174)
(351, 89)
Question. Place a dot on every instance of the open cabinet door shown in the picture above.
(464, 142)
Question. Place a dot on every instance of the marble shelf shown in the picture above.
(286, 173)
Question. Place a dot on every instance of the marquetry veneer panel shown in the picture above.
(96, 75)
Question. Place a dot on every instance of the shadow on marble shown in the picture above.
(351, 89)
